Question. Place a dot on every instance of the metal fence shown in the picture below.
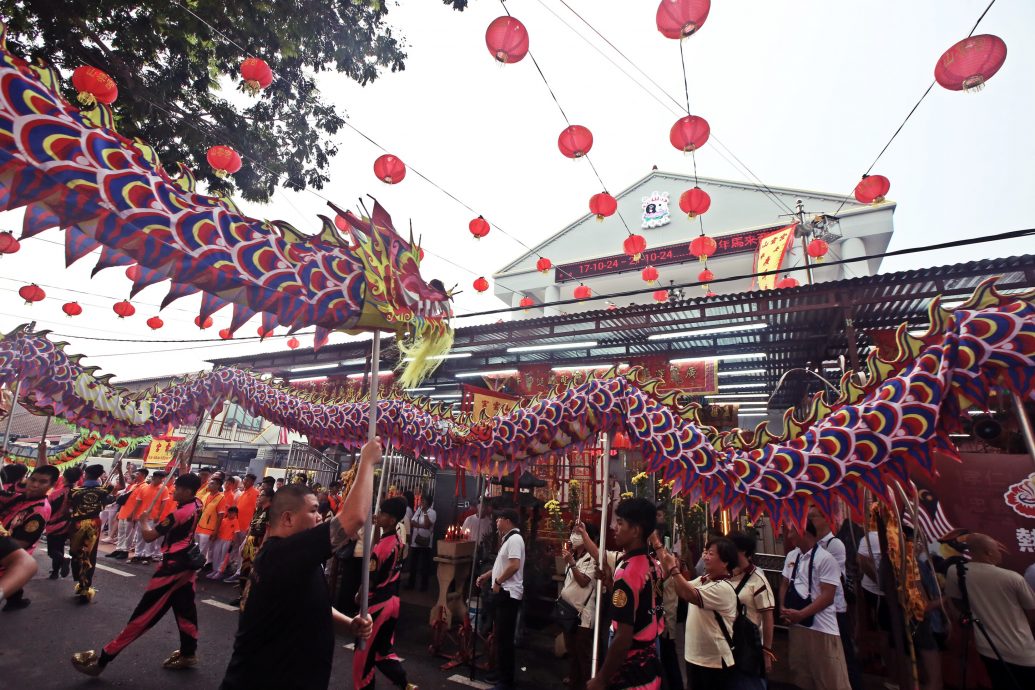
(305, 460)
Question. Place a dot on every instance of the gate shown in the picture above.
(305, 460)
(410, 474)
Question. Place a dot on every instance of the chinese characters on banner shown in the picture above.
(694, 378)
(160, 452)
(483, 403)
(771, 250)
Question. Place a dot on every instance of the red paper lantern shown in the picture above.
(649, 275)
(262, 332)
(224, 160)
(293, 343)
(872, 189)
(199, 324)
(681, 18)
(481, 284)
(703, 247)
(94, 86)
(527, 302)
(479, 227)
(225, 333)
(817, 249)
(543, 265)
(8, 243)
(575, 141)
(711, 294)
(705, 277)
(257, 75)
(133, 272)
(634, 246)
(661, 295)
(31, 293)
(787, 282)
(389, 169)
(124, 309)
(620, 441)
(154, 323)
(603, 205)
(695, 202)
(689, 133)
(507, 40)
(71, 309)
(582, 292)
(970, 63)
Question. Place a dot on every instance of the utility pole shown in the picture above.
(803, 233)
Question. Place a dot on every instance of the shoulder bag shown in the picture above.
(565, 614)
(793, 600)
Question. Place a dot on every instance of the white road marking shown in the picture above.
(219, 605)
(351, 646)
(109, 569)
(464, 680)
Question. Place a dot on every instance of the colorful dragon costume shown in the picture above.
(77, 450)
(872, 432)
(71, 170)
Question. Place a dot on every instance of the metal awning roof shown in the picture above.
(803, 327)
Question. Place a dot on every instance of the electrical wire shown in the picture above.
(912, 110)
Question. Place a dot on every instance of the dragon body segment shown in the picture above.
(72, 170)
(874, 431)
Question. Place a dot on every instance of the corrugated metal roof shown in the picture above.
(804, 326)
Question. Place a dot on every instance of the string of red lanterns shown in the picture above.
(661, 295)
(8, 243)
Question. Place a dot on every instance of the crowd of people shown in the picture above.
(276, 541)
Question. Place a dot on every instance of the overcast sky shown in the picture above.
(804, 92)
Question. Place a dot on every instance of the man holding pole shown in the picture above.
(285, 637)
(508, 588)
(171, 586)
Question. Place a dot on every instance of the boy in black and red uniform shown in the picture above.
(24, 515)
(171, 586)
(85, 504)
(632, 660)
(385, 565)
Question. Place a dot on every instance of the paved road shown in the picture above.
(36, 643)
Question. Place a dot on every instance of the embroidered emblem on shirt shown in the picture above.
(619, 599)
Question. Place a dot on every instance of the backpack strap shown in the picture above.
(722, 623)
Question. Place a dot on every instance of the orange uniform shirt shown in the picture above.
(126, 511)
(142, 498)
(215, 505)
(227, 529)
(246, 507)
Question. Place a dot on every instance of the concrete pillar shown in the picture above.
(852, 248)
(553, 293)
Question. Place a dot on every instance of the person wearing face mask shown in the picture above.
(579, 591)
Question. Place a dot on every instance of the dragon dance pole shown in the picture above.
(190, 459)
(368, 531)
(1024, 423)
(601, 555)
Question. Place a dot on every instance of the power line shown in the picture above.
(910, 113)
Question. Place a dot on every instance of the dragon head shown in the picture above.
(397, 296)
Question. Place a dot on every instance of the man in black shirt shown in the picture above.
(285, 637)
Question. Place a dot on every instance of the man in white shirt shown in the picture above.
(508, 587)
(421, 540)
(836, 548)
(478, 527)
(1005, 605)
(816, 657)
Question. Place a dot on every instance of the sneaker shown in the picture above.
(179, 661)
(113, 554)
(66, 566)
(233, 580)
(87, 662)
(136, 560)
(53, 575)
(16, 604)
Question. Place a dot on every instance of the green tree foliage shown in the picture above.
(168, 57)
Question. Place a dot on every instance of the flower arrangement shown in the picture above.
(640, 485)
(553, 510)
